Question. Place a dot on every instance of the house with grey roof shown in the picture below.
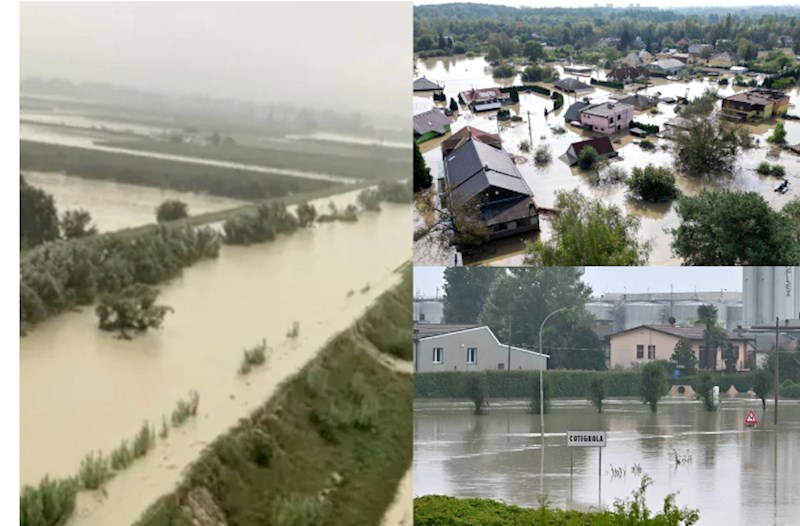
(571, 85)
(573, 113)
(485, 175)
(430, 124)
(666, 65)
(424, 84)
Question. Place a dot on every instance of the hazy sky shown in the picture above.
(621, 279)
(348, 55)
(616, 3)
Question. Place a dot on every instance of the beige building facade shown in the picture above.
(473, 349)
(647, 343)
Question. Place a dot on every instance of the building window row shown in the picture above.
(651, 352)
(472, 355)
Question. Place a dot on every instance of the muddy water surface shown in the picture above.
(734, 475)
(460, 74)
(83, 390)
(115, 206)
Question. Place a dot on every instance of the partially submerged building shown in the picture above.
(607, 117)
(424, 84)
(477, 170)
(484, 99)
(628, 74)
(571, 85)
(666, 66)
(573, 113)
(639, 101)
(430, 124)
(756, 104)
(458, 348)
(602, 145)
(647, 343)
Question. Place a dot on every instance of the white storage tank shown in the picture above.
(770, 292)
(636, 313)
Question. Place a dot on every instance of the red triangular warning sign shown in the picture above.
(751, 419)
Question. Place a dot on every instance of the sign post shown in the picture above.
(750, 420)
(589, 439)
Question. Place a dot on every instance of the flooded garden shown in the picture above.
(731, 473)
(459, 74)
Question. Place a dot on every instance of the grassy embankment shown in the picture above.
(435, 510)
(330, 448)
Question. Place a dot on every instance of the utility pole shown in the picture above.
(777, 354)
(508, 376)
(530, 132)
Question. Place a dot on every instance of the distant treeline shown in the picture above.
(175, 175)
(394, 163)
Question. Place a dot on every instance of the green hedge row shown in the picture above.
(649, 128)
(527, 87)
(565, 384)
(607, 83)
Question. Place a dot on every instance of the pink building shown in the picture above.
(607, 117)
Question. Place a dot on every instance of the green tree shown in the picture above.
(493, 56)
(77, 223)
(535, 406)
(475, 390)
(792, 211)
(171, 210)
(763, 384)
(306, 214)
(38, 218)
(370, 199)
(588, 232)
(778, 134)
(684, 356)
(133, 309)
(534, 51)
(596, 391)
(653, 383)
(453, 104)
(704, 386)
(707, 316)
(733, 228)
(465, 292)
(588, 158)
(422, 175)
(652, 183)
(708, 148)
(730, 356)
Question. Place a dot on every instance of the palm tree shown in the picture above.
(707, 315)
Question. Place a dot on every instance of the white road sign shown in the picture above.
(586, 438)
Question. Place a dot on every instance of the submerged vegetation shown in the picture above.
(132, 309)
(253, 357)
(329, 448)
(186, 409)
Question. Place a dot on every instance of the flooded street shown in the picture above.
(115, 206)
(734, 475)
(461, 74)
(84, 390)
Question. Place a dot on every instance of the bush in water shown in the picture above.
(186, 409)
(131, 309)
(48, 504)
(253, 357)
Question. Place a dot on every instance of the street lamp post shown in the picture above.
(541, 398)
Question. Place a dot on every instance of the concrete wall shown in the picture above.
(490, 353)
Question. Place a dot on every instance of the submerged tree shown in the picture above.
(596, 391)
(763, 384)
(77, 223)
(422, 174)
(132, 310)
(704, 387)
(653, 383)
(306, 214)
(475, 390)
(38, 218)
(588, 232)
(708, 148)
(171, 210)
(684, 357)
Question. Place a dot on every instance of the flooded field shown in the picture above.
(734, 475)
(84, 390)
(460, 74)
(115, 206)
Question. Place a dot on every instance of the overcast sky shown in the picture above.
(615, 3)
(350, 56)
(621, 279)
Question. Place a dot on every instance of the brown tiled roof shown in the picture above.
(466, 133)
(689, 333)
(602, 145)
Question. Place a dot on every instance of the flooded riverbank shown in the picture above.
(83, 390)
(461, 74)
(732, 474)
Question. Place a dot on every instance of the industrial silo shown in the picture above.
(637, 313)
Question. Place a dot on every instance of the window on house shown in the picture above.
(421, 316)
(438, 353)
(472, 355)
(501, 366)
(651, 352)
(639, 352)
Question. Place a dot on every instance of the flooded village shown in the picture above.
(537, 106)
(208, 282)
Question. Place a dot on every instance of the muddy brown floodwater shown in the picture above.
(461, 74)
(732, 474)
(84, 390)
